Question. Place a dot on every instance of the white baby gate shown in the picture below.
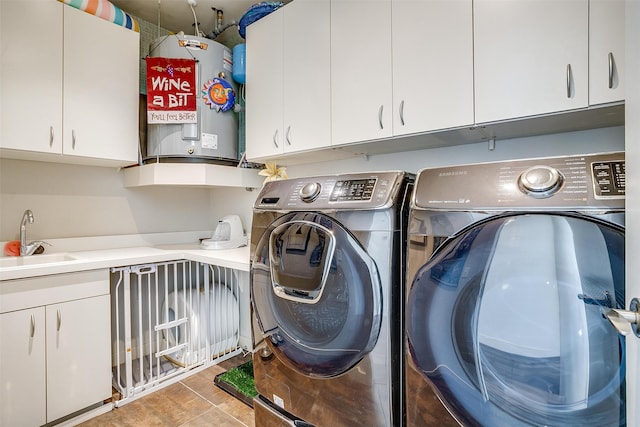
(171, 318)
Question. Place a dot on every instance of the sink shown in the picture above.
(35, 260)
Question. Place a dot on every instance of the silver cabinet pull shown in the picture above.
(402, 112)
(288, 134)
(568, 80)
(275, 139)
(51, 135)
(610, 70)
(626, 322)
(73, 139)
(32, 332)
(380, 116)
(58, 320)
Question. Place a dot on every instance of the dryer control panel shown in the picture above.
(355, 191)
(586, 181)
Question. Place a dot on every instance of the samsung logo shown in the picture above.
(452, 173)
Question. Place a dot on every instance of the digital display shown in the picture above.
(609, 179)
(357, 189)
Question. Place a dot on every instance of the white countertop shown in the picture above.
(237, 258)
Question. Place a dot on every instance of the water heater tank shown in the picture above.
(214, 138)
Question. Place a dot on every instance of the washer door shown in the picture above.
(316, 294)
(506, 322)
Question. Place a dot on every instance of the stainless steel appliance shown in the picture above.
(327, 278)
(513, 268)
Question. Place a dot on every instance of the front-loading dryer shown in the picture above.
(513, 268)
(327, 286)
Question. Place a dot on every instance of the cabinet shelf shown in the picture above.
(191, 175)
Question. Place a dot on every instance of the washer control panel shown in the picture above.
(310, 191)
(355, 189)
(348, 191)
(540, 181)
(586, 181)
(609, 180)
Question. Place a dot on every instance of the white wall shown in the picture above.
(582, 142)
(632, 111)
(238, 201)
(79, 201)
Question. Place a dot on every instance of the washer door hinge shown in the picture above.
(626, 322)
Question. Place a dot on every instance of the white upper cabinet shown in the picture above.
(445, 69)
(288, 92)
(69, 90)
(307, 75)
(101, 79)
(606, 51)
(264, 87)
(361, 71)
(432, 65)
(531, 57)
(31, 76)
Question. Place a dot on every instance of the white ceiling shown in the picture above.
(176, 15)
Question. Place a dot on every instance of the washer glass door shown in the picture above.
(506, 322)
(316, 294)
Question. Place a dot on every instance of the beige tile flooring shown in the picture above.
(192, 402)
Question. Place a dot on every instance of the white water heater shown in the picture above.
(214, 138)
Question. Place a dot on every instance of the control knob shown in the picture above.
(540, 181)
(310, 191)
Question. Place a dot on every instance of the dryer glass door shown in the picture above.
(506, 321)
(316, 293)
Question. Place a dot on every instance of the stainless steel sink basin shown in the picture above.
(35, 260)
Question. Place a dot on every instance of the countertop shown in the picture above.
(237, 258)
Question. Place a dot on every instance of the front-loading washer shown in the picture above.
(513, 268)
(327, 287)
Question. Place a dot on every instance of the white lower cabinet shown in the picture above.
(55, 354)
(78, 355)
(22, 368)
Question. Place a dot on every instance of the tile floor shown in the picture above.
(192, 402)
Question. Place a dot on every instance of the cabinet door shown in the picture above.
(22, 368)
(31, 75)
(307, 75)
(101, 87)
(606, 51)
(78, 355)
(360, 70)
(264, 87)
(432, 65)
(531, 57)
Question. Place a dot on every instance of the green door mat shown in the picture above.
(239, 382)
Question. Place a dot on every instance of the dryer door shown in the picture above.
(506, 322)
(316, 294)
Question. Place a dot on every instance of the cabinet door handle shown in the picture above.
(402, 112)
(58, 320)
(73, 139)
(380, 116)
(568, 80)
(51, 136)
(610, 70)
(287, 135)
(32, 332)
(275, 139)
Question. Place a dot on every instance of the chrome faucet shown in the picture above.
(28, 249)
